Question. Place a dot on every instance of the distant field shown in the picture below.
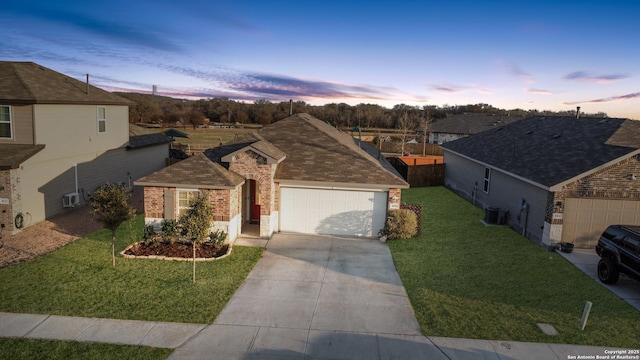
(201, 139)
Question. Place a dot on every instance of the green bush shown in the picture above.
(169, 227)
(149, 232)
(218, 237)
(400, 224)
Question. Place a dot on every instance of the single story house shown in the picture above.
(560, 179)
(462, 125)
(299, 174)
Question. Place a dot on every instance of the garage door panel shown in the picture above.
(585, 219)
(337, 212)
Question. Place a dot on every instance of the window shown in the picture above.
(184, 200)
(5, 122)
(102, 119)
(487, 179)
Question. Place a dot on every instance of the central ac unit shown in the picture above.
(71, 200)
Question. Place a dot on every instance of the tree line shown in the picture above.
(170, 112)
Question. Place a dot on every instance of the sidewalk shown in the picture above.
(256, 342)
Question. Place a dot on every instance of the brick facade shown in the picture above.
(253, 166)
(613, 182)
(10, 201)
(154, 202)
(395, 198)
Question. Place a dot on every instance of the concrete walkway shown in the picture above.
(309, 297)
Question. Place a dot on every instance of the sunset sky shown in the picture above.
(511, 54)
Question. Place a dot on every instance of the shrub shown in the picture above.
(400, 224)
(218, 237)
(149, 232)
(169, 227)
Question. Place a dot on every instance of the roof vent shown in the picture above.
(555, 136)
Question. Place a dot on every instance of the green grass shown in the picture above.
(468, 280)
(27, 349)
(78, 280)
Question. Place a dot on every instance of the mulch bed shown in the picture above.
(176, 250)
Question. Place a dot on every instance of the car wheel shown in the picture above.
(608, 270)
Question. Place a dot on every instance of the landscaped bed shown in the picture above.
(175, 251)
(467, 280)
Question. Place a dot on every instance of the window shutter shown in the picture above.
(169, 204)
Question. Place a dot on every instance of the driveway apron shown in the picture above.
(313, 296)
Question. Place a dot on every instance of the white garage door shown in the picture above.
(335, 212)
(585, 219)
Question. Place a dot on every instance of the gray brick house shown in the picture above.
(559, 178)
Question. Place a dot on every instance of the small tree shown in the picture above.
(196, 222)
(111, 208)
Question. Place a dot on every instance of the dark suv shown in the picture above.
(619, 250)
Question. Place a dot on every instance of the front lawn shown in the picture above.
(78, 280)
(467, 280)
(28, 349)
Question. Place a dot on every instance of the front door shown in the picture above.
(255, 202)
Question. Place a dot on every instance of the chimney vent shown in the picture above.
(290, 107)
(578, 112)
(87, 91)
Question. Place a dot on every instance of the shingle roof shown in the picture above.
(469, 124)
(197, 172)
(30, 83)
(12, 155)
(552, 150)
(140, 141)
(317, 152)
(307, 150)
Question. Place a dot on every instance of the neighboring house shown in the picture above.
(60, 139)
(297, 175)
(463, 125)
(562, 179)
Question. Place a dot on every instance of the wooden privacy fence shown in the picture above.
(414, 149)
(420, 175)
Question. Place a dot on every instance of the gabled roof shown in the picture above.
(30, 83)
(308, 151)
(318, 152)
(262, 148)
(12, 155)
(550, 151)
(197, 172)
(140, 141)
(469, 124)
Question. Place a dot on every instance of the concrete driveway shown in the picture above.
(319, 297)
(587, 261)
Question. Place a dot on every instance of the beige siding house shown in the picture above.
(61, 138)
